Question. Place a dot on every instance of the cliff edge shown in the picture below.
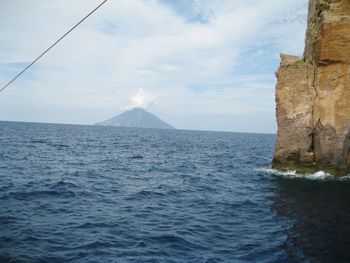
(313, 95)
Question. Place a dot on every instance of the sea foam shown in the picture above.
(319, 175)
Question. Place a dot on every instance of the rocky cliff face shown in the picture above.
(313, 95)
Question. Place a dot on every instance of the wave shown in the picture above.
(41, 194)
(176, 242)
(63, 185)
(292, 174)
(141, 195)
(136, 156)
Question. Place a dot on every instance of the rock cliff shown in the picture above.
(313, 95)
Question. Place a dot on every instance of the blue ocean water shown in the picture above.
(101, 194)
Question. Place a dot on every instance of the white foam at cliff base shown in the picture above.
(319, 175)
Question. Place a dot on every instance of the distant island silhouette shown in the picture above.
(138, 118)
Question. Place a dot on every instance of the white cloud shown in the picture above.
(192, 67)
(141, 99)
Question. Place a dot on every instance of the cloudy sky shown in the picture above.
(198, 64)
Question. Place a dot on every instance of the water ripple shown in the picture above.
(103, 194)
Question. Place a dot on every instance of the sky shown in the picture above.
(197, 64)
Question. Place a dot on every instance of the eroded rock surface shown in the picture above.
(313, 95)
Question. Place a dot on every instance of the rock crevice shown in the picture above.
(313, 95)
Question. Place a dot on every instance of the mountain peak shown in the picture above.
(138, 118)
(137, 109)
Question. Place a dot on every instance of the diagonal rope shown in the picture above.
(54, 44)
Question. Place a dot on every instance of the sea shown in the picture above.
(72, 193)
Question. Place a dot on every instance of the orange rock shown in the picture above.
(313, 95)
